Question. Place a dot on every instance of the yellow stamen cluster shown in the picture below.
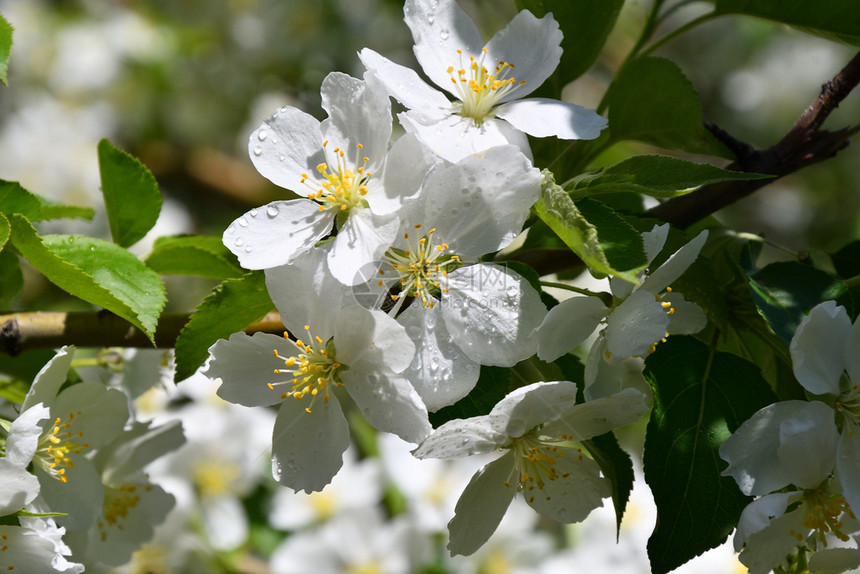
(312, 369)
(421, 266)
(215, 477)
(535, 463)
(478, 89)
(341, 187)
(667, 306)
(823, 511)
(56, 446)
(118, 502)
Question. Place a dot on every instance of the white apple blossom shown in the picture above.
(40, 549)
(81, 418)
(640, 316)
(825, 354)
(787, 443)
(487, 82)
(536, 425)
(462, 313)
(336, 344)
(343, 168)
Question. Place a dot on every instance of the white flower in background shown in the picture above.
(223, 460)
(462, 313)
(825, 354)
(358, 541)
(487, 82)
(787, 443)
(357, 485)
(641, 316)
(26, 549)
(132, 504)
(536, 425)
(344, 169)
(81, 418)
(430, 486)
(335, 345)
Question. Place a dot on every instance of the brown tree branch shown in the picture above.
(804, 144)
(40, 330)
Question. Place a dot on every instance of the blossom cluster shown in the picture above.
(384, 276)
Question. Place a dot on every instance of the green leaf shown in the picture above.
(94, 270)
(700, 398)
(5, 230)
(617, 466)
(11, 278)
(193, 255)
(847, 260)
(132, 197)
(492, 386)
(5, 48)
(16, 199)
(620, 241)
(654, 175)
(115, 269)
(652, 101)
(229, 308)
(833, 19)
(785, 291)
(558, 211)
(586, 25)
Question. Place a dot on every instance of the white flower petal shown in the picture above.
(439, 29)
(479, 204)
(481, 507)
(285, 146)
(306, 293)
(834, 561)
(408, 163)
(675, 265)
(246, 365)
(388, 402)
(577, 491)
(461, 438)
(359, 114)
(455, 137)
(526, 407)
(807, 446)
(48, 380)
(99, 412)
(24, 432)
(756, 460)
(567, 325)
(277, 233)
(848, 463)
(593, 418)
(654, 240)
(17, 487)
(308, 447)
(852, 353)
(756, 516)
(543, 117)
(637, 323)
(80, 498)
(363, 239)
(688, 317)
(27, 550)
(532, 45)
(406, 86)
(818, 348)
(767, 549)
(440, 372)
(491, 312)
(369, 339)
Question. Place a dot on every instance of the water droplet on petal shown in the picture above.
(239, 242)
(261, 135)
(248, 248)
(258, 151)
(274, 141)
(282, 157)
(444, 33)
(242, 222)
(272, 211)
(253, 212)
(430, 19)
